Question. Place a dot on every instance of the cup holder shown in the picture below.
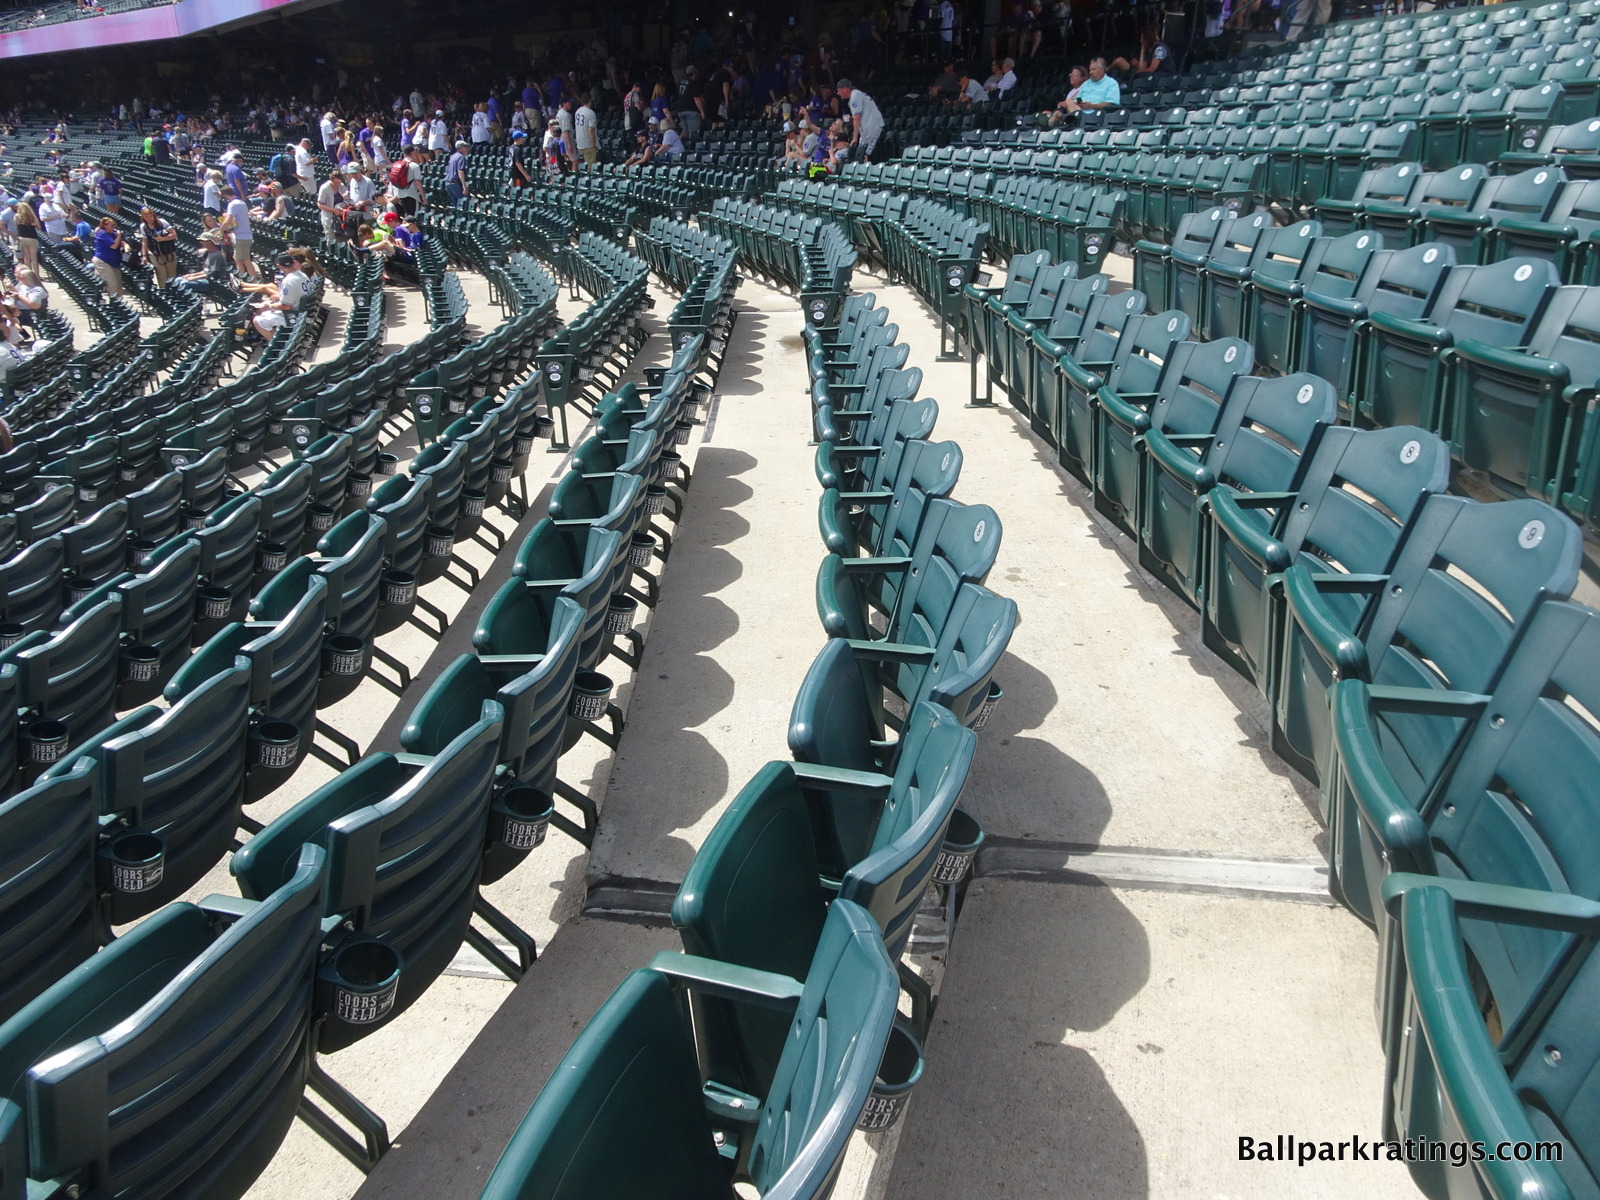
(139, 662)
(215, 604)
(899, 1071)
(473, 504)
(139, 552)
(44, 742)
(655, 499)
(133, 862)
(271, 557)
(620, 613)
(641, 550)
(193, 518)
(397, 589)
(388, 464)
(343, 655)
(962, 840)
(500, 471)
(591, 692)
(544, 427)
(320, 518)
(439, 541)
(11, 633)
(358, 980)
(521, 817)
(274, 745)
(358, 485)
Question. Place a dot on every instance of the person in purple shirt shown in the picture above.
(494, 109)
(556, 90)
(234, 174)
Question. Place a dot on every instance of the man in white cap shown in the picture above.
(866, 121)
(438, 133)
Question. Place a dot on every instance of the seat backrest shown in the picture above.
(1455, 187)
(1198, 231)
(1406, 281)
(1237, 238)
(1568, 332)
(1397, 183)
(1265, 427)
(71, 676)
(126, 1070)
(1281, 253)
(1067, 319)
(1496, 303)
(1342, 266)
(1144, 348)
(49, 921)
(30, 585)
(957, 543)
(1359, 492)
(1020, 273)
(1195, 383)
(1527, 194)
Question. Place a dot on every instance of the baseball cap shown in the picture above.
(843, 83)
(288, 260)
(517, 133)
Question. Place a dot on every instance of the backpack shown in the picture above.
(275, 166)
(398, 176)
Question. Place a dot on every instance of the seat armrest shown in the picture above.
(728, 982)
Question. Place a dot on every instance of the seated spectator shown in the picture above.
(671, 144)
(946, 85)
(970, 93)
(408, 239)
(28, 296)
(213, 278)
(1002, 78)
(1098, 93)
(279, 302)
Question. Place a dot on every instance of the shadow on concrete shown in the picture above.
(742, 370)
(1008, 1105)
(668, 775)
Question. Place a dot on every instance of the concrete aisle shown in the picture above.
(1151, 967)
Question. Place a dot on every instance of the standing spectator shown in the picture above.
(304, 180)
(236, 220)
(532, 113)
(330, 205)
(329, 128)
(28, 229)
(405, 183)
(159, 242)
(52, 214)
(480, 124)
(211, 193)
(569, 124)
(438, 133)
(233, 174)
(455, 175)
(586, 132)
(107, 261)
(866, 121)
(553, 153)
(947, 28)
(691, 106)
(517, 160)
(111, 191)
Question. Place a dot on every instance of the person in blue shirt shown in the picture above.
(1100, 92)
(455, 175)
(107, 261)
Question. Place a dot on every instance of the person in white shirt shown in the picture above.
(866, 120)
(211, 193)
(947, 25)
(438, 134)
(418, 103)
(330, 205)
(237, 220)
(376, 148)
(480, 124)
(329, 133)
(359, 187)
(568, 131)
(273, 311)
(1002, 78)
(304, 181)
(585, 131)
(53, 217)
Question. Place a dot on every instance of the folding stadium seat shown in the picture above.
(1403, 360)
(198, 1017)
(878, 848)
(1420, 624)
(1353, 500)
(1085, 328)
(67, 683)
(1439, 128)
(1226, 282)
(1014, 337)
(1253, 439)
(158, 610)
(1399, 282)
(1455, 1077)
(1528, 737)
(904, 478)
(1397, 216)
(1233, 242)
(1518, 410)
(1563, 236)
(1195, 373)
(1527, 195)
(986, 304)
(632, 1076)
(31, 587)
(408, 895)
(1153, 271)
(1574, 148)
